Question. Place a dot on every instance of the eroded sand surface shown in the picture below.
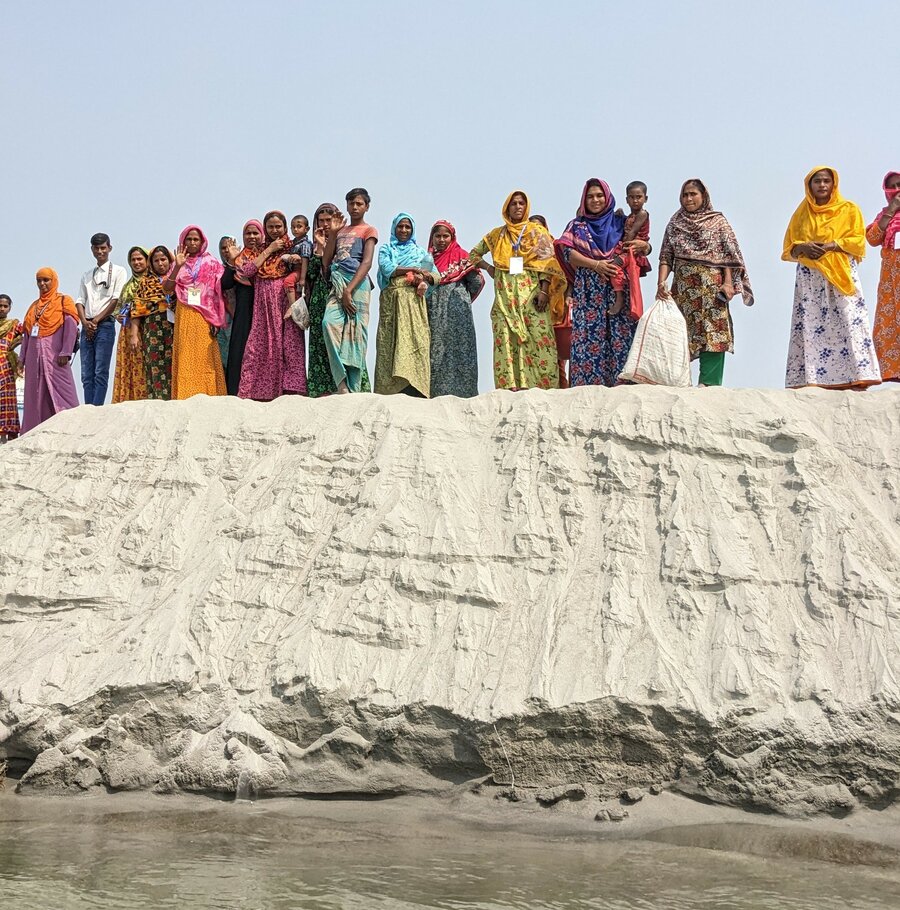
(605, 589)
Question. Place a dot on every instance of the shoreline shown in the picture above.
(866, 837)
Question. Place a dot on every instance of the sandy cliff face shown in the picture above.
(370, 595)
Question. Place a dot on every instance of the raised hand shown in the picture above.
(338, 221)
(231, 250)
(180, 255)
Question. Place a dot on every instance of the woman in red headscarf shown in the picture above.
(275, 356)
(196, 280)
(50, 330)
(884, 231)
(454, 356)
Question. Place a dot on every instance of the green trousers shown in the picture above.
(712, 367)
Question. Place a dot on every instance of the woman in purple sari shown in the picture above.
(600, 339)
(51, 326)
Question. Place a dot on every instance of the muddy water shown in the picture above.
(141, 853)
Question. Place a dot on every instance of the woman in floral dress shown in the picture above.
(831, 343)
(523, 266)
(701, 252)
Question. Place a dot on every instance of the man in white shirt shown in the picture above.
(97, 300)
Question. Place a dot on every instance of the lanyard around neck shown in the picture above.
(518, 242)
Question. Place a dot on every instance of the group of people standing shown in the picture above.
(193, 323)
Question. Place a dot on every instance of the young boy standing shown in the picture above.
(98, 297)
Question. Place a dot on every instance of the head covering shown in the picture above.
(221, 239)
(273, 267)
(528, 239)
(203, 271)
(594, 236)
(531, 241)
(453, 263)
(248, 253)
(401, 254)
(50, 309)
(705, 237)
(838, 221)
(149, 296)
(890, 232)
(130, 286)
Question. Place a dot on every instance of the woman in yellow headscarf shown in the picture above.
(831, 339)
(525, 273)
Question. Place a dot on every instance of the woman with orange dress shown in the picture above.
(129, 383)
(199, 314)
(884, 231)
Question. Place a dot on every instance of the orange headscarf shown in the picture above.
(50, 309)
(840, 221)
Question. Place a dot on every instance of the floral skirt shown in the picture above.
(831, 343)
(157, 333)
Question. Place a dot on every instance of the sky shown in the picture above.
(137, 120)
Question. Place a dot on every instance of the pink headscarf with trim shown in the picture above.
(205, 271)
(890, 232)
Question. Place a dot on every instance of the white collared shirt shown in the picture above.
(99, 285)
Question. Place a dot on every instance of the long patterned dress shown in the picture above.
(196, 361)
(130, 383)
(831, 345)
(887, 314)
(157, 336)
(319, 381)
(274, 360)
(524, 341)
(694, 289)
(454, 355)
(600, 342)
(9, 409)
(403, 341)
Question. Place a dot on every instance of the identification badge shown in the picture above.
(34, 330)
(516, 265)
(897, 241)
(170, 315)
(193, 297)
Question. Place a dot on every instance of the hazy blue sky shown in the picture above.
(137, 119)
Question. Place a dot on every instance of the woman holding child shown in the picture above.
(701, 252)
(275, 357)
(602, 325)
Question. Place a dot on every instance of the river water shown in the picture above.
(135, 853)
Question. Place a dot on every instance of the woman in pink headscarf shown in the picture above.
(884, 231)
(199, 313)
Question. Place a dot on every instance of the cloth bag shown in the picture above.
(659, 354)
